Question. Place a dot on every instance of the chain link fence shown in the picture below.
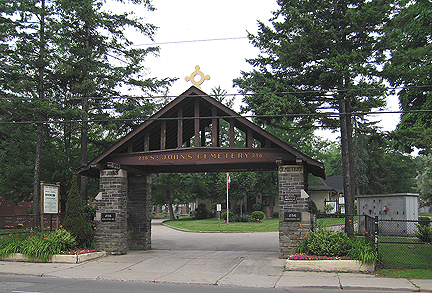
(401, 245)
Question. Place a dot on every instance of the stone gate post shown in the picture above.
(111, 213)
(294, 214)
(139, 213)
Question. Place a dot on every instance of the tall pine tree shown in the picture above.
(319, 56)
(410, 67)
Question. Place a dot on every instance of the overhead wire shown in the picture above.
(323, 93)
(189, 41)
(332, 114)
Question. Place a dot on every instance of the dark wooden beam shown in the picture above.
(232, 134)
(215, 128)
(146, 140)
(197, 123)
(163, 135)
(249, 138)
(203, 137)
(180, 128)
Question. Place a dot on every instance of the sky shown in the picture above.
(183, 25)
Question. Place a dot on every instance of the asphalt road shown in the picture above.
(170, 239)
(23, 284)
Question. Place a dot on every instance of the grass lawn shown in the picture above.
(401, 256)
(13, 231)
(331, 221)
(213, 225)
(407, 273)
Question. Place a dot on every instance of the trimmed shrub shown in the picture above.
(325, 243)
(258, 215)
(224, 216)
(201, 212)
(256, 207)
(240, 218)
(74, 221)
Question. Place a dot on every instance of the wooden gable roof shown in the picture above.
(185, 136)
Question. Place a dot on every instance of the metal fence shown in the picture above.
(398, 246)
(396, 242)
(10, 223)
(363, 225)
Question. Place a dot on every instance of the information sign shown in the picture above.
(292, 217)
(108, 217)
(50, 199)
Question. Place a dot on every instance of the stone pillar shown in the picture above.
(139, 213)
(294, 214)
(111, 213)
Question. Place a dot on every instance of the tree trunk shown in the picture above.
(39, 117)
(170, 207)
(84, 126)
(347, 164)
(84, 148)
(36, 176)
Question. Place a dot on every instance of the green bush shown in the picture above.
(424, 232)
(39, 246)
(240, 218)
(363, 249)
(313, 208)
(201, 212)
(332, 244)
(325, 243)
(424, 220)
(75, 221)
(10, 244)
(224, 216)
(64, 238)
(258, 215)
(256, 207)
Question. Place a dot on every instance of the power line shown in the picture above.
(328, 114)
(328, 93)
(189, 41)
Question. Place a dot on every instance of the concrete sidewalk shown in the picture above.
(177, 258)
(223, 268)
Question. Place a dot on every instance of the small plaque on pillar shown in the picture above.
(290, 198)
(108, 217)
(291, 169)
(292, 217)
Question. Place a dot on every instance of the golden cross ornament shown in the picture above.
(197, 83)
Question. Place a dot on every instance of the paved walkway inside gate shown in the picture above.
(224, 259)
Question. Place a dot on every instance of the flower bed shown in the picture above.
(301, 256)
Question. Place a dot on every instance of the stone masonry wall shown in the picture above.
(111, 213)
(139, 213)
(294, 215)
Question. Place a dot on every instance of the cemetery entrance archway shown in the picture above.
(186, 136)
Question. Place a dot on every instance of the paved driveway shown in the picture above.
(164, 238)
